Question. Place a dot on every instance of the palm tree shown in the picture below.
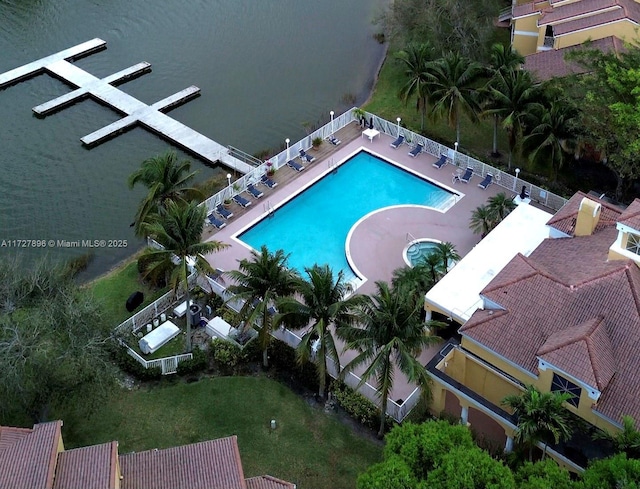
(167, 179)
(178, 228)
(500, 206)
(260, 282)
(511, 98)
(390, 335)
(417, 61)
(541, 417)
(552, 134)
(416, 279)
(453, 88)
(503, 60)
(323, 303)
(627, 441)
(447, 254)
(482, 220)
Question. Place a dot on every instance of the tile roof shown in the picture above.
(555, 307)
(28, 460)
(631, 216)
(526, 9)
(92, 467)
(268, 482)
(595, 21)
(213, 464)
(584, 350)
(9, 435)
(565, 219)
(562, 13)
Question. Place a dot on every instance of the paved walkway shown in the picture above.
(378, 242)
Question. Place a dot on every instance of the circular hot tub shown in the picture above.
(418, 250)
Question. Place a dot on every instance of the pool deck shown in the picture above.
(378, 241)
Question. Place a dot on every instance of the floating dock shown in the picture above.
(134, 111)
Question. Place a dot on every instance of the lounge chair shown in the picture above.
(241, 201)
(398, 141)
(468, 173)
(306, 156)
(333, 140)
(416, 151)
(441, 162)
(295, 165)
(222, 212)
(254, 191)
(265, 180)
(215, 222)
(486, 182)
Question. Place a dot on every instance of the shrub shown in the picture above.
(284, 358)
(133, 367)
(225, 354)
(197, 364)
(358, 406)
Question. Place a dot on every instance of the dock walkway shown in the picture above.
(135, 112)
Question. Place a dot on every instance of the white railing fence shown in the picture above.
(168, 365)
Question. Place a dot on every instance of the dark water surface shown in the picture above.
(264, 67)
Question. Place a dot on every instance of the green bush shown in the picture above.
(358, 406)
(225, 354)
(133, 367)
(284, 358)
(197, 364)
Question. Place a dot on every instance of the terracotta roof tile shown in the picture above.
(9, 436)
(526, 9)
(572, 284)
(583, 7)
(29, 462)
(631, 216)
(268, 482)
(213, 464)
(565, 219)
(594, 21)
(92, 467)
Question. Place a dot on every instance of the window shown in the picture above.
(633, 244)
(560, 384)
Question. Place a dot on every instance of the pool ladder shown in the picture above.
(410, 237)
(268, 208)
(332, 165)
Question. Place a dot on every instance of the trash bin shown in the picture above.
(134, 301)
(195, 311)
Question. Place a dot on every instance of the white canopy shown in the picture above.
(457, 294)
(158, 337)
(218, 327)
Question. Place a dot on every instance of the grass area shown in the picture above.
(113, 289)
(309, 448)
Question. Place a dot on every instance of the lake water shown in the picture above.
(265, 67)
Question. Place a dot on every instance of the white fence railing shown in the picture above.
(168, 365)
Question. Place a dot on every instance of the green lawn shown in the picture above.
(113, 289)
(308, 448)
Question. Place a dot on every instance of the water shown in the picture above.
(264, 67)
(417, 252)
(313, 227)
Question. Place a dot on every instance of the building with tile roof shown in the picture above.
(36, 458)
(565, 318)
(543, 31)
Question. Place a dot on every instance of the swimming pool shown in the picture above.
(313, 226)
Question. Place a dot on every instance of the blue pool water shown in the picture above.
(313, 226)
(418, 251)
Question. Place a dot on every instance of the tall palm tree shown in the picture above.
(500, 205)
(417, 63)
(178, 228)
(453, 90)
(542, 417)
(552, 135)
(627, 441)
(166, 179)
(502, 59)
(324, 303)
(260, 282)
(482, 220)
(512, 98)
(416, 279)
(447, 254)
(390, 335)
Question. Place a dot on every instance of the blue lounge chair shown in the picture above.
(215, 222)
(241, 201)
(468, 173)
(486, 182)
(398, 141)
(254, 191)
(333, 140)
(441, 162)
(306, 156)
(265, 180)
(222, 212)
(295, 165)
(416, 151)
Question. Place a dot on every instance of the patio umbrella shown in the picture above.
(371, 123)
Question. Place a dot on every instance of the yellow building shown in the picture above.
(540, 28)
(565, 318)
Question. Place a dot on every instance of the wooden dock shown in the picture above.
(134, 111)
